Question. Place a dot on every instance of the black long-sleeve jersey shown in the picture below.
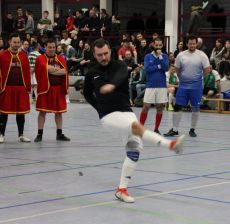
(115, 73)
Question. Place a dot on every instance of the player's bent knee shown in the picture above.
(133, 155)
(177, 108)
(195, 109)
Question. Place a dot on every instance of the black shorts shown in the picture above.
(206, 90)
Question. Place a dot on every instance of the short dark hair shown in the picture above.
(157, 39)
(12, 35)
(192, 37)
(99, 43)
(50, 40)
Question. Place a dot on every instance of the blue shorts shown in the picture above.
(184, 96)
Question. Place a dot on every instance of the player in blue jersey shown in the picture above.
(156, 64)
(190, 65)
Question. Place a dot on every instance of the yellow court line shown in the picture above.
(110, 202)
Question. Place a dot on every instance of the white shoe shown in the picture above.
(2, 139)
(123, 195)
(23, 139)
(177, 145)
(204, 4)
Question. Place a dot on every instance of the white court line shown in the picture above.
(109, 202)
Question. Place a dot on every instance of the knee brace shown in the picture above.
(177, 108)
(133, 155)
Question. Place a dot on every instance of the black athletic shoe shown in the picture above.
(192, 132)
(62, 137)
(171, 133)
(38, 138)
(157, 131)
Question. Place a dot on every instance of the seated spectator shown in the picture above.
(59, 23)
(225, 58)
(65, 38)
(127, 46)
(142, 50)
(171, 58)
(180, 48)
(91, 25)
(45, 25)
(129, 61)
(137, 82)
(25, 46)
(2, 44)
(211, 84)
(172, 85)
(74, 39)
(216, 55)
(87, 58)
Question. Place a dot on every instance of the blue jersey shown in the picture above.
(191, 65)
(155, 68)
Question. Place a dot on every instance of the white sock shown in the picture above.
(155, 138)
(176, 120)
(194, 119)
(126, 172)
(170, 98)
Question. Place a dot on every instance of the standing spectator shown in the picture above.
(70, 21)
(52, 88)
(29, 28)
(155, 64)
(105, 23)
(45, 25)
(152, 23)
(79, 21)
(190, 67)
(15, 87)
(106, 89)
(115, 31)
(32, 58)
(8, 24)
(20, 21)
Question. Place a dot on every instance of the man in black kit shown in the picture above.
(106, 89)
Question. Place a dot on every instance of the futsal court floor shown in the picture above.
(74, 182)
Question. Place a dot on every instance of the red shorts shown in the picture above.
(53, 101)
(14, 100)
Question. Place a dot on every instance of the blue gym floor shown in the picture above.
(74, 182)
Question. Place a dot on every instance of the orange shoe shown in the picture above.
(123, 195)
(177, 145)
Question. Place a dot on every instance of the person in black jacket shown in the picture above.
(106, 89)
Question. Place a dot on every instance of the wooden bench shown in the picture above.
(219, 105)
